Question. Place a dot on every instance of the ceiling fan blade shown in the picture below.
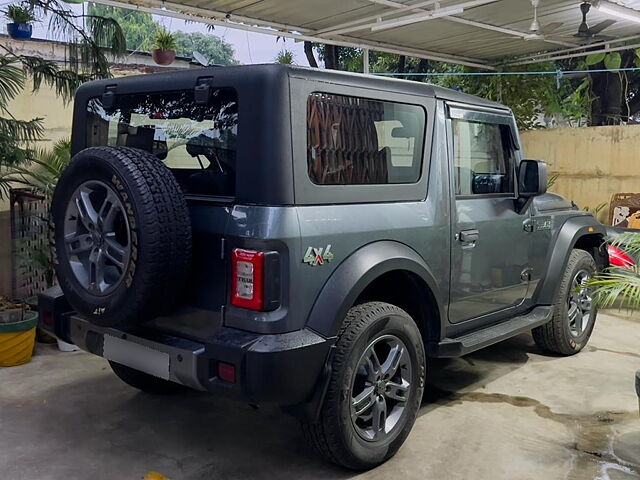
(550, 27)
(596, 29)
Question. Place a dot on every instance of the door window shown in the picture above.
(483, 158)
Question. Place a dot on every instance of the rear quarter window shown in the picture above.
(360, 141)
(197, 142)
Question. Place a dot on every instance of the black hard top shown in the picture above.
(271, 72)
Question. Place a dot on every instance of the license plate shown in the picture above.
(136, 356)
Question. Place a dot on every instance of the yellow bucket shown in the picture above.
(17, 340)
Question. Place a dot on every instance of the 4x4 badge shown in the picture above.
(317, 256)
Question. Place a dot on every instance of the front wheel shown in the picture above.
(375, 389)
(574, 314)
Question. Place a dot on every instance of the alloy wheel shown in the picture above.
(97, 237)
(580, 304)
(381, 388)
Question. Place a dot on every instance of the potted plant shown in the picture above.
(20, 27)
(164, 48)
(17, 333)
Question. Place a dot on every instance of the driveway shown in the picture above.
(508, 412)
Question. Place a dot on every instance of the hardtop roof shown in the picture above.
(187, 78)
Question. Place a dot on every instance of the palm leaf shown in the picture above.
(629, 242)
(21, 131)
(11, 81)
(617, 284)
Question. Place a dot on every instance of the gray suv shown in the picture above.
(308, 238)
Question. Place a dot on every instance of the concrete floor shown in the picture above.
(507, 412)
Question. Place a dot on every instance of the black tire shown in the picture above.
(145, 382)
(558, 336)
(151, 221)
(336, 435)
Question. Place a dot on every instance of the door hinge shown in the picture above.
(109, 97)
(202, 90)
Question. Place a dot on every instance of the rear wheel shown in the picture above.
(375, 390)
(574, 314)
(145, 382)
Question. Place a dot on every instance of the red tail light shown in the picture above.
(247, 290)
(618, 258)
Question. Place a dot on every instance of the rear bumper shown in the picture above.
(285, 369)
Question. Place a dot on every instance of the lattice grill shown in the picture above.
(29, 214)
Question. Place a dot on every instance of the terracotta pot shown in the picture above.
(20, 31)
(163, 57)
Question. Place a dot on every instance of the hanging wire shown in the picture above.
(497, 74)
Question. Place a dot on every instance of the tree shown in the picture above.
(615, 93)
(139, 28)
(214, 48)
(90, 39)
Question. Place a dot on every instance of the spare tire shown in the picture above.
(120, 236)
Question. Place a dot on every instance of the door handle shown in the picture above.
(469, 236)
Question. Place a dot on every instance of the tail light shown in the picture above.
(618, 258)
(248, 279)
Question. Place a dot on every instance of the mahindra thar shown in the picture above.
(308, 238)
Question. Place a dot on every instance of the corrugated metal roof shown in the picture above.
(486, 33)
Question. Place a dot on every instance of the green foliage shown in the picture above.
(165, 41)
(285, 57)
(595, 58)
(18, 14)
(597, 209)
(531, 97)
(552, 180)
(617, 284)
(139, 28)
(214, 48)
(89, 40)
(613, 61)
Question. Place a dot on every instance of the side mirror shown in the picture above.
(532, 181)
(532, 178)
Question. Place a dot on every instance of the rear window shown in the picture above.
(359, 141)
(197, 142)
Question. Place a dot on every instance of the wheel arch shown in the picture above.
(363, 277)
(584, 233)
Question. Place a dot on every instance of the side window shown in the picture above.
(483, 161)
(359, 141)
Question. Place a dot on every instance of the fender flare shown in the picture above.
(355, 273)
(572, 230)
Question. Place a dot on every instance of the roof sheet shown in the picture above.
(485, 33)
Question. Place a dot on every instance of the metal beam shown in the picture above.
(401, 7)
(552, 57)
(506, 31)
(603, 43)
(416, 8)
(344, 27)
(340, 41)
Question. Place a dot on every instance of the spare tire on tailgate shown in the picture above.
(120, 236)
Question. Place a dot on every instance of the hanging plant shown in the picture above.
(20, 27)
(164, 48)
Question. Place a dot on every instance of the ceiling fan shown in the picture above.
(537, 31)
(585, 34)
(591, 33)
